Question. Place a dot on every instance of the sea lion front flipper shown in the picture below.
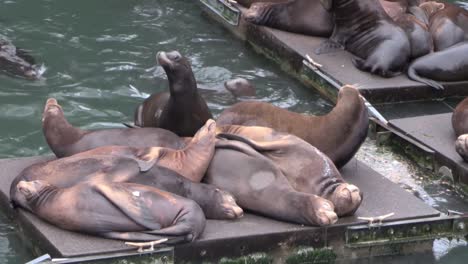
(131, 201)
(328, 46)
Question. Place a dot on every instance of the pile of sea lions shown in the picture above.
(427, 39)
(176, 167)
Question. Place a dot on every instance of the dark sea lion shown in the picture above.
(167, 169)
(461, 146)
(363, 28)
(122, 211)
(448, 65)
(261, 187)
(17, 62)
(182, 110)
(448, 23)
(418, 34)
(65, 140)
(240, 87)
(298, 16)
(307, 169)
(339, 134)
(460, 118)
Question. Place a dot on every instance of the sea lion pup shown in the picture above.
(363, 28)
(306, 17)
(240, 87)
(17, 62)
(176, 171)
(448, 65)
(338, 134)
(260, 186)
(448, 23)
(307, 169)
(65, 140)
(182, 110)
(460, 118)
(124, 211)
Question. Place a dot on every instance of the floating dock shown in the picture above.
(255, 236)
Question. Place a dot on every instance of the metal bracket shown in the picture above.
(224, 9)
(405, 231)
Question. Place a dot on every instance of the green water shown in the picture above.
(99, 56)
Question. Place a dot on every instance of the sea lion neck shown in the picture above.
(182, 83)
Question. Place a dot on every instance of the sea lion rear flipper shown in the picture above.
(412, 74)
(131, 236)
(131, 201)
(328, 46)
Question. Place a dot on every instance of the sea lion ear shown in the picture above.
(327, 4)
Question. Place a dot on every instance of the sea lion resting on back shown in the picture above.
(339, 134)
(123, 211)
(182, 110)
(176, 171)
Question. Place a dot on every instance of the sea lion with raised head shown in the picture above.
(306, 168)
(124, 211)
(338, 134)
(65, 140)
(176, 171)
(182, 110)
(363, 28)
(260, 186)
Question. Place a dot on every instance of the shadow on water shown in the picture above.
(100, 60)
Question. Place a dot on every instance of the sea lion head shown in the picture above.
(431, 7)
(177, 68)
(240, 87)
(225, 206)
(28, 192)
(51, 108)
(347, 91)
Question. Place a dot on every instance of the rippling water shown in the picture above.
(100, 61)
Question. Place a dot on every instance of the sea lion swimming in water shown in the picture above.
(339, 134)
(306, 168)
(182, 110)
(65, 140)
(176, 171)
(17, 62)
(124, 211)
(240, 87)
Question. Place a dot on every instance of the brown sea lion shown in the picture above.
(448, 65)
(124, 211)
(176, 171)
(307, 169)
(363, 28)
(448, 25)
(65, 140)
(339, 134)
(461, 146)
(240, 87)
(297, 16)
(460, 118)
(182, 110)
(260, 186)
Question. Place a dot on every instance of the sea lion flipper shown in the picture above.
(131, 201)
(413, 75)
(131, 236)
(257, 145)
(328, 46)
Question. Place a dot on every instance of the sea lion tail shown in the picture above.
(415, 77)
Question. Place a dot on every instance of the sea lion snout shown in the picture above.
(254, 13)
(168, 58)
(51, 107)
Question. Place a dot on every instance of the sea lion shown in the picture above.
(447, 65)
(418, 34)
(182, 110)
(460, 118)
(17, 62)
(124, 211)
(306, 168)
(448, 23)
(240, 87)
(65, 140)
(176, 171)
(339, 134)
(298, 16)
(461, 146)
(363, 28)
(261, 187)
